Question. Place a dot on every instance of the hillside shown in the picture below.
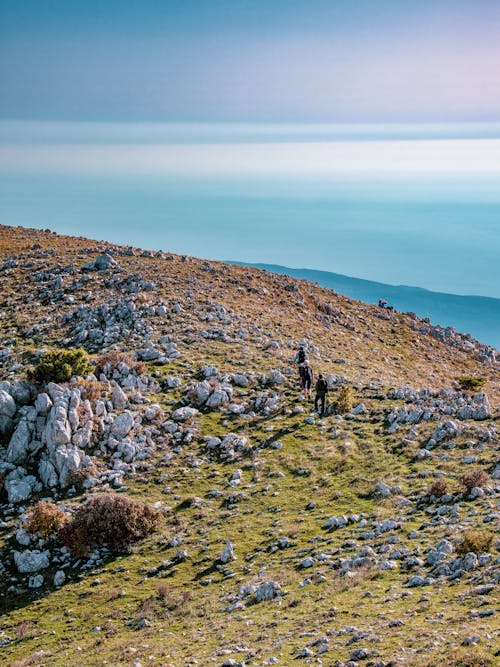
(477, 315)
(366, 537)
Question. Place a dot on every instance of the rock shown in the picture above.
(23, 537)
(119, 398)
(36, 581)
(382, 490)
(470, 562)
(217, 398)
(240, 380)
(105, 262)
(276, 377)
(59, 578)
(20, 487)
(359, 410)
(267, 591)
(7, 411)
(122, 425)
(359, 654)
(183, 414)
(419, 581)
(57, 430)
(43, 404)
(18, 448)
(307, 562)
(31, 561)
(228, 554)
(445, 431)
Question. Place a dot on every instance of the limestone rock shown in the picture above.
(31, 561)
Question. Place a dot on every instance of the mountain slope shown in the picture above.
(477, 315)
(346, 533)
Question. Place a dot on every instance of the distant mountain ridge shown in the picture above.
(477, 315)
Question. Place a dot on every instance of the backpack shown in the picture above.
(322, 386)
(301, 356)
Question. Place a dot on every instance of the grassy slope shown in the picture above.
(185, 605)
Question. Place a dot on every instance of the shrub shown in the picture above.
(476, 477)
(45, 519)
(92, 389)
(343, 401)
(110, 520)
(463, 658)
(111, 360)
(475, 541)
(60, 365)
(79, 476)
(438, 488)
(469, 383)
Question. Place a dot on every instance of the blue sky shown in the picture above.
(250, 60)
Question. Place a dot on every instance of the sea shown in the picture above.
(403, 204)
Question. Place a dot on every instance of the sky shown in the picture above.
(250, 60)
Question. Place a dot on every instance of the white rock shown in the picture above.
(228, 554)
(43, 404)
(18, 448)
(7, 411)
(59, 578)
(31, 561)
(119, 398)
(35, 581)
(268, 590)
(122, 425)
(19, 488)
(183, 414)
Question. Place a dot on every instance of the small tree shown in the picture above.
(60, 365)
(343, 401)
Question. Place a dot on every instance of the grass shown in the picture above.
(185, 603)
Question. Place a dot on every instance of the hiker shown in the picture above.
(306, 378)
(301, 356)
(321, 392)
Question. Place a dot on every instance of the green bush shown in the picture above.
(343, 401)
(110, 520)
(60, 365)
(469, 383)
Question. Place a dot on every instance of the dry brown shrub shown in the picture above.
(438, 488)
(112, 520)
(92, 389)
(78, 476)
(475, 541)
(463, 658)
(114, 358)
(476, 477)
(45, 519)
(25, 630)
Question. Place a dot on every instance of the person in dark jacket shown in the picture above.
(306, 378)
(321, 392)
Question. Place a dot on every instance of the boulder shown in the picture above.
(7, 411)
(267, 591)
(122, 425)
(31, 561)
(183, 414)
(119, 398)
(228, 554)
(18, 448)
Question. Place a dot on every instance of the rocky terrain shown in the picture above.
(366, 537)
